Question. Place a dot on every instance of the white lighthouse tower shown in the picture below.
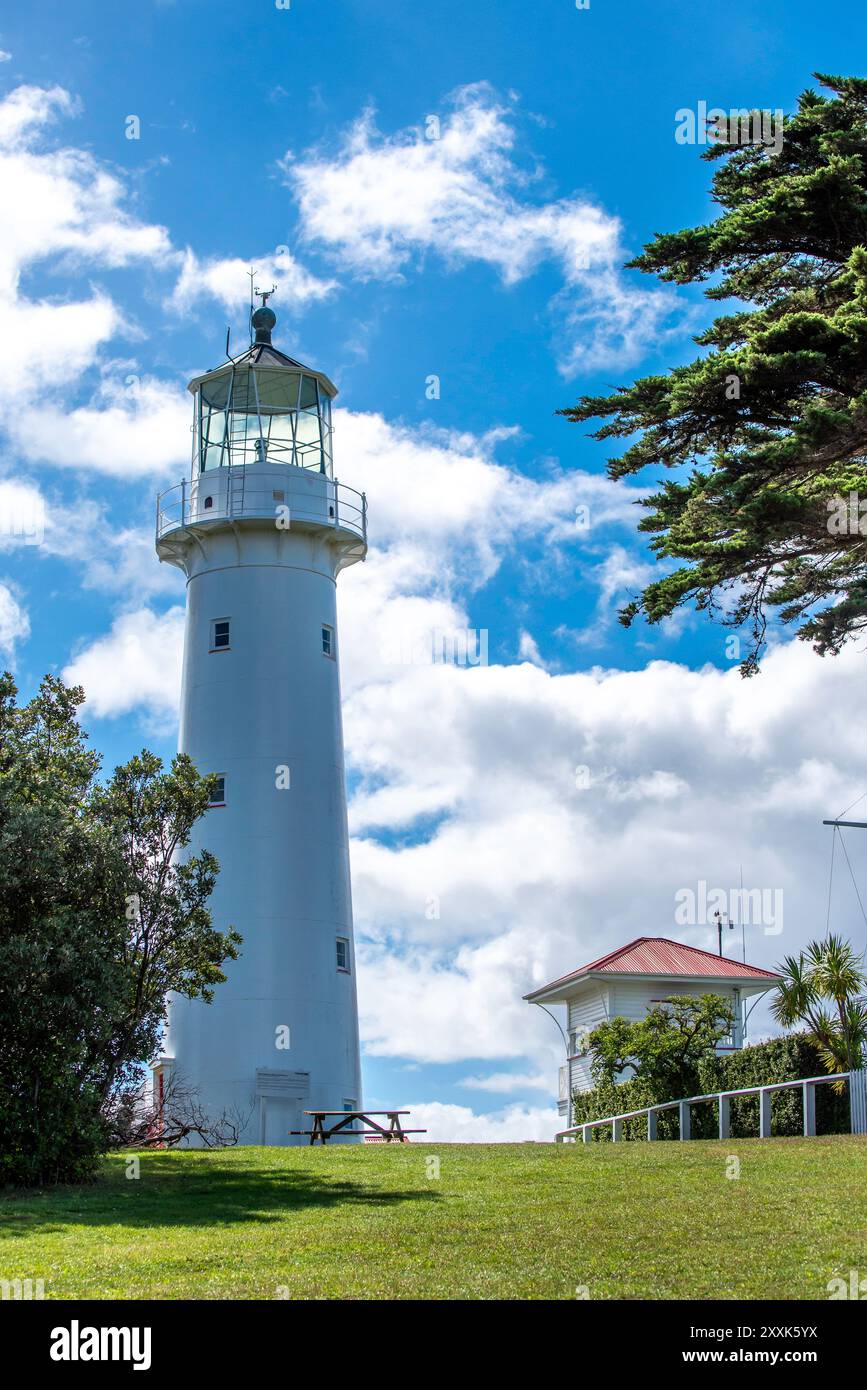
(261, 530)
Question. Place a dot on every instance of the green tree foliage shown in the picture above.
(781, 1059)
(665, 1048)
(768, 427)
(820, 989)
(97, 923)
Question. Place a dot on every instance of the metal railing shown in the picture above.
(857, 1104)
(214, 497)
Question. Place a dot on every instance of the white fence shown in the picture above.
(857, 1106)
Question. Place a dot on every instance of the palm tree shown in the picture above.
(827, 973)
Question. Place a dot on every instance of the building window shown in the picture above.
(209, 502)
(343, 953)
(218, 795)
(327, 640)
(220, 635)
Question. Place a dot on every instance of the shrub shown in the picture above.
(790, 1058)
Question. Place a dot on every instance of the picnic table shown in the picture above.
(394, 1133)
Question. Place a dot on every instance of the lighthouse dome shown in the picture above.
(262, 406)
(264, 320)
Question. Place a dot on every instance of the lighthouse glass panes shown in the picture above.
(263, 414)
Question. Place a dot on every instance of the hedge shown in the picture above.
(781, 1059)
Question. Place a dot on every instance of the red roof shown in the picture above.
(658, 956)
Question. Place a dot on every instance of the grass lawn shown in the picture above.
(501, 1221)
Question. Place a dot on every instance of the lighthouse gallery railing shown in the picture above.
(331, 504)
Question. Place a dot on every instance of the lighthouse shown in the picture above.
(261, 530)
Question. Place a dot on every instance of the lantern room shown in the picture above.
(262, 407)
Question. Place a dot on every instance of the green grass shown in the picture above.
(501, 1221)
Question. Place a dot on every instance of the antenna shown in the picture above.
(228, 335)
(251, 272)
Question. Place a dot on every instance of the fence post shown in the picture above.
(617, 1127)
(725, 1117)
(809, 1110)
(684, 1119)
(858, 1100)
(764, 1114)
(651, 1124)
(585, 1134)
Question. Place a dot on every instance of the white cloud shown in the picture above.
(458, 1124)
(505, 1082)
(60, 202)
(65, 211)
(380, 202)
(136, 665)
(521, 872)
(106, 555)
(227, 280)
(528, 650)
(4, 56)
(132, 427)
(14, 622)
(446, 1007)
(22, 514)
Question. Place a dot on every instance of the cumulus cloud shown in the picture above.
(458, 1124)
(14, 622)
(536, 820)
(427, 491)
(380, 202)
(106, 555)
(227, 280)
(132, 427)
(504, 1082)
(64, 210)
(134, 666)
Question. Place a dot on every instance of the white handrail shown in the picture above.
(177, 507)
(857, 1104)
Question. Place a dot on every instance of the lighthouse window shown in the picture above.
(343, 953)
(220, 635)
(327, 640)
(218, 795)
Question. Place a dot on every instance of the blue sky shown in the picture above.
(296, 141)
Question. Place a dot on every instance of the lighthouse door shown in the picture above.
(279, 1115)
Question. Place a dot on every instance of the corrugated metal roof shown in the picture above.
(658, 956)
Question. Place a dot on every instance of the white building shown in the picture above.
(629, 981)
(261, 530)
